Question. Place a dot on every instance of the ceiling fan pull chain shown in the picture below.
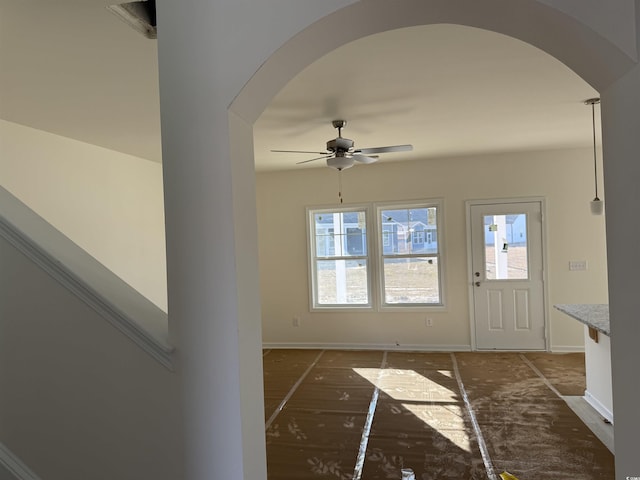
(340, 185)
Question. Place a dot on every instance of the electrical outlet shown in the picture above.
(428, 322)
(296, 321)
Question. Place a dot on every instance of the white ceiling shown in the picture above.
(72, 68)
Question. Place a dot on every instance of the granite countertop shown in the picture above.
(592, 315)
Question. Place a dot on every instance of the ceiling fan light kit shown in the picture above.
(340, 162)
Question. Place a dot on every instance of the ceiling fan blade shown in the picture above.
(299, 151)
(314, 159)
(365, 158)
(389, 149)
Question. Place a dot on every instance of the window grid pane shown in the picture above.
(411, 281)
(341, 275)
(342, 282)
(340, 234)
(408, 231)
(410, 256)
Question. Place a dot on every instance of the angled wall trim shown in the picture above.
(13, 465)
(117, 302)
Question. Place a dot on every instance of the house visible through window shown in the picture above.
(410, 272)
(340, 258)
(407, 261)
(386, 238)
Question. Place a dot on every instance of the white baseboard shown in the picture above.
(399, 348)
(369, 346)
(567, 348)
(598, 406)
(14, 465)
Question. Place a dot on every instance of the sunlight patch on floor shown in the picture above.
(434, 402)
(409, 385)
(447, 420)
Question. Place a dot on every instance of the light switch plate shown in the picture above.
(578, 265)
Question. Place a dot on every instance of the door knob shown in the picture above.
(477, 284)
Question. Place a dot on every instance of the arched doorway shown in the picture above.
(598, 61)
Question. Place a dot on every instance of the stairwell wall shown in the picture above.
(79, 399)
(107, 202)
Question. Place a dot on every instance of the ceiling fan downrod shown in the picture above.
(339, 124)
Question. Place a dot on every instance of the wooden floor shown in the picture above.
(351, 415)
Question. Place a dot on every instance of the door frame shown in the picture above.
(545, 280)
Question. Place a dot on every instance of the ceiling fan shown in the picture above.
(342, 154)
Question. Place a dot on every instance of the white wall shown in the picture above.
(111, 205)
(610, 19)
(107, 202)
(79, 399)
(598, 371)
(564, 178)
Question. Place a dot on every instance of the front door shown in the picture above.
(507, 276)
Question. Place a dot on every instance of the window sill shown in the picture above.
(342, 309)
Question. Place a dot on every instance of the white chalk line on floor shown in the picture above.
(484, 452)
(291, 392)
(366, 430)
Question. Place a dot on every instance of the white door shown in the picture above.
(507, 276)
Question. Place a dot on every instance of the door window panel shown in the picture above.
(505, 245)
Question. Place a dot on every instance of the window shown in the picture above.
(410, 274)
(340, 264)
(406, 260)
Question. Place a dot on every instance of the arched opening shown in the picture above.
(591, 56)
(383, 95)
(599, 65)
(469, 101)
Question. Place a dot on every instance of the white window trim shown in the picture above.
(311, 256)
(375, 257)
(379, 261)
